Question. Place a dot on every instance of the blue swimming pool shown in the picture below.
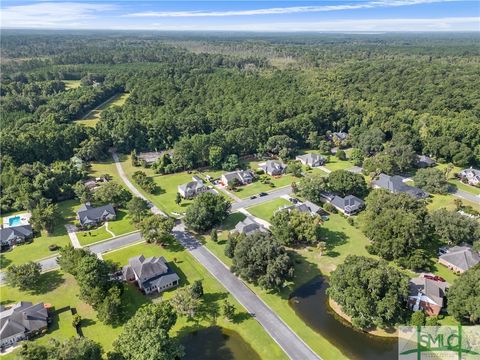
(14, 221)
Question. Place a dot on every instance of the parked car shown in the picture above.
(434, 277)
(293, 200)
(253, 197)
(262, 194)
(443, 250)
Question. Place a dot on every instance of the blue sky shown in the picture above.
(339, 15)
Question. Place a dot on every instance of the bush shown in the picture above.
(53, 247)
(330, 208)
(351, 221)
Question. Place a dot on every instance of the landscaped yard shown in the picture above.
(265, 211)
(93, 117)
(190, 270)
(38, 249)
(336, 164)
(257, 187)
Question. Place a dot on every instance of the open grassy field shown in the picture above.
(93, 116)
(257, 187)
(71, 84)
(107, 166)
(38, 249)
(189, 270)
(265, 211)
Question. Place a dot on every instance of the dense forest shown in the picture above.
(233, 96)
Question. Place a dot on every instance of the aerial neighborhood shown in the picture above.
(213, 196)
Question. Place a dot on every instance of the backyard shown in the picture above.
(265, 211)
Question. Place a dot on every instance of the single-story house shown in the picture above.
(89, 215)
(21, 321)
(192, 188)
(151, 274)
(349, 205)
(396, 185)
(424, 161)
(248, 226)
(460, 258)
(427, 295)
(242, 176)
(15, 234)
(273, 167)
(301, 207)
(312, 160)
(471, 176)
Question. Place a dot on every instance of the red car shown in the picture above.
(434, 277)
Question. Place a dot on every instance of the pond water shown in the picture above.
(217, 343)
(311, 304)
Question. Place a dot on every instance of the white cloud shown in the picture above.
(283, 10)
(50, 14)
(363, 25)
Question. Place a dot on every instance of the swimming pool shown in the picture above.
(14, 221)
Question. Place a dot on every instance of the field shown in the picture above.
(256, 187)
(93, 116)
(38, 249)
(71, 84)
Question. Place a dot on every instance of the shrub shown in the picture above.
(53, 247)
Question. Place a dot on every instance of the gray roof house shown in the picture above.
(192, 188)
(306, 207)
(349, 205)
(472, 176)
(396, 185)
(312, 160)
(248, 226)
(427, 295)
(151, 274)
(338, 136)
(16, 234)
(424, 161)
(89, 215)
(273, 167)
(20, 321)
(242, 176)
(460, 258)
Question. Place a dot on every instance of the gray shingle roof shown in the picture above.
(349, 203)
(396, 185)
(273, 167)
(435, 290)
(248, 226)
(241, 175)
(88, 212)
(312, 159)
(22, 231)
(463, 257)
(21, 318)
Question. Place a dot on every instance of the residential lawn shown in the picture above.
(100, 168)
(437, 201)
(257, 187)
(190, 270)
(465, 187)
(93, 117)
(38, 249)
(122, 224)
(265, 211)
(336, 164)
(71, 84)
(88, 237)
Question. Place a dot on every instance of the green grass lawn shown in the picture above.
(100, 168)
(190, 270)
(88, 237)
(71, 84)
(93, 117)
(256, 187)
(336, 164)
(437, 201)
(465, 187)
(265, 211)
(122, 224)
(38, 249)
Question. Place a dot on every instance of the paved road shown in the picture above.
(466, 195)
(293, 346)
(259, 200)
(121, 241)
(132, 188)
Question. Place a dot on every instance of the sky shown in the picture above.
(262, 16)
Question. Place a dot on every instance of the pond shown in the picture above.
(217, 343)
(311, 304)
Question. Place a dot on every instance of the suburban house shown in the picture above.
(273, 167)
(312, 160)
(243, 177)
(15, 234)
(149, 158)
(424, 161)
(21, 321)
(460, 258)
(248, 226)
(338, 137)
(301, 207)
(349, 205)
(90, 216)
(396, 185)
(151, 274)
(471, 176)
(192, 188)
(427, 295)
